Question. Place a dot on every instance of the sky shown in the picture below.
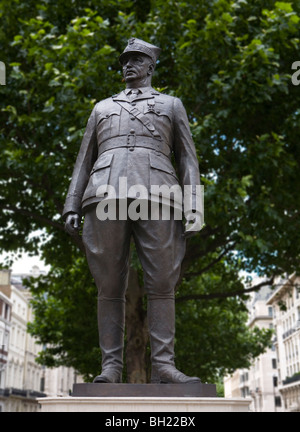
(25, 264)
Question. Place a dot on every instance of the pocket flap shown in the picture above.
(159, 110)
(115, 110)
(162, 164)
(103, 162)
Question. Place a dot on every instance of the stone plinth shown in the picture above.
(143, 405)
(197, 390)
(143, 398)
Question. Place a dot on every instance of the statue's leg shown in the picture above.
(111, 326)
(161, 319)
(161, 248)
(107, 246)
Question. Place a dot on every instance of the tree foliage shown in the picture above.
(230, 63)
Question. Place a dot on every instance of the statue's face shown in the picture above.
(137, 67)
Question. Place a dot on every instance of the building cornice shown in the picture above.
(283, 288)
(259, 318)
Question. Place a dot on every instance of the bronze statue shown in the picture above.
(132, 136)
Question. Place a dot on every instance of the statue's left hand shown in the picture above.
(72, 224)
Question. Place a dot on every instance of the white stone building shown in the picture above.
(260, 382)
(23, 374)
(285, 301)
(22, 380)
(5, 318)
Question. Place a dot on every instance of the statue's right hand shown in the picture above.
(72, 224)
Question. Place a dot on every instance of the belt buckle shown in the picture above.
(131, 140)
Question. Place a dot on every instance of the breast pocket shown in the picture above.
(108, 124)
(159, 109)
(162, 119)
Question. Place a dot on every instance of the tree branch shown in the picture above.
(210, 265)
(36, 216)
(225, 294)
(76, 238)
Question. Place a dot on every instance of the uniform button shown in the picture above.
(132, 118)
(132, 131)
(131, 149)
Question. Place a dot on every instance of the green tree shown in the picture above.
(230, 62)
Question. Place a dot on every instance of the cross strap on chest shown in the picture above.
(134, 111)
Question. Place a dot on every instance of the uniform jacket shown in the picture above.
(117, 144)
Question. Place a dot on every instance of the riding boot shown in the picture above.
(111, 325)
(161, 321)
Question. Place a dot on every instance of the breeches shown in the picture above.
(160, 246)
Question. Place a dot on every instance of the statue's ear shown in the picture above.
(151, 69)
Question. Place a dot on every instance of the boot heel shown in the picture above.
(155, 378)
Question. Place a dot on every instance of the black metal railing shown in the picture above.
(290, 380)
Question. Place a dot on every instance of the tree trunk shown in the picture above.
(137, 331)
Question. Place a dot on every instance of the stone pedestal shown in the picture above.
(111, 406)
(143, 398)
(196, 390)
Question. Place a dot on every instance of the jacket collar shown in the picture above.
(145, 93)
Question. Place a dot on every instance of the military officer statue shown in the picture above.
(133, 136)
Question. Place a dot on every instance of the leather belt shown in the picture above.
(131, 141)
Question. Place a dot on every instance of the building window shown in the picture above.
(274, 364)
(42, 384)
(270, 311)
(277, 401)
(244, 377)
(245, 392)
(6, 316)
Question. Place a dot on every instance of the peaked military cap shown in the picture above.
(140, 46)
